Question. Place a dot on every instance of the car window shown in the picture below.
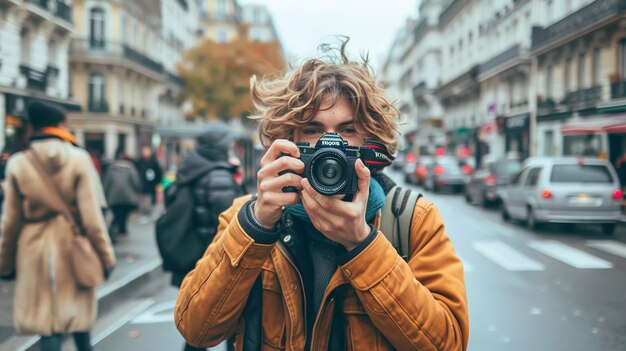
(508, 168)
(533, 177)
(581, 174)
(518, 177)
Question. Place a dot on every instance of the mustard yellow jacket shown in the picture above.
(387, 303)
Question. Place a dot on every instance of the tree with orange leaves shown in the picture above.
(217, 75)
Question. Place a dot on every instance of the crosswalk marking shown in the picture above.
(569, 255)
(610, 246)
(507, 257)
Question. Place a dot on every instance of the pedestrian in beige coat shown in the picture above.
(35, 239)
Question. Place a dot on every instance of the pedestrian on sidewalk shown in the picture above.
(151, 176)
(300, 270)
(121, 187)
(205, 187)
(35, 239)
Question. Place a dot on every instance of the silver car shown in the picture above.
(564, 190)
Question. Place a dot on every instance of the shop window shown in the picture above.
(622, 57)
(549, 81)
(596, 67)
(548, 143)
(97, 102)
(581, 71)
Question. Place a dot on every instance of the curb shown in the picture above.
(107, 297)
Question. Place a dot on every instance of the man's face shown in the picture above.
(336, 119)
(146, 152)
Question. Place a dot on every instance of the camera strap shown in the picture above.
(375, 155)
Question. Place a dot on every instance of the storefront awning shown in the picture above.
(613, 124)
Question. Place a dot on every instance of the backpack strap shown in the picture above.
(396, 218)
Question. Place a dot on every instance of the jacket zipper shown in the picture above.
(304, 304)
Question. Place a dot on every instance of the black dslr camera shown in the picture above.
(329, 166)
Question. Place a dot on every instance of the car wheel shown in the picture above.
(484, 203)
(531, 221)
(505, 214)
(608, 228)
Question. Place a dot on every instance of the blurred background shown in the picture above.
(514, 125)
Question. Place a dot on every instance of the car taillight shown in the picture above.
(491, 180)
(467, 169)
(439, 170)
(618, 194)
(238, 177)
(410, 158)
(546, 194)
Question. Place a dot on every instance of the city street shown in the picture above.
(553, 290)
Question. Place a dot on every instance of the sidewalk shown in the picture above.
(138, 261)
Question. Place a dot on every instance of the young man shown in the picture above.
(314, 269)
(151, 176)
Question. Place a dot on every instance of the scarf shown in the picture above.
(59, 133)
(375, 202)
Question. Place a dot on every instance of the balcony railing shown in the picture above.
(574, 24)
(102, 48)
(618, 90)
(63, 11)
(41, 3)
(548, 104)
(504, 57)
(100, 106)
(35, 79)
(583, 97)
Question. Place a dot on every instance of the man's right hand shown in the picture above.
(270, 196)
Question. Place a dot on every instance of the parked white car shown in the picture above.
(564, 190)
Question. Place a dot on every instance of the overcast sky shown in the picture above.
(303, 25)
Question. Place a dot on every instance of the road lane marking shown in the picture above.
(610, 246)
(569, 255)
(140, 307)
(506, 256)
(155, 314)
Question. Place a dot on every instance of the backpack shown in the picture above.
(178, 243)
(396, 221)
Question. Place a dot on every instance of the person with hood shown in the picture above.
(121, 187)
(151, 176)
(206, 170)
(35, 240)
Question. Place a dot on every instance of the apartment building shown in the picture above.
(580, 86)
(34, 44)
(220, 20)
(123, 60)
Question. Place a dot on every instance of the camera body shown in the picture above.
(329, 165)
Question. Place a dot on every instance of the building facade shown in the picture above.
(123, 60)
(34, 44)
(579, 55)
(530, 77)
(220, 20)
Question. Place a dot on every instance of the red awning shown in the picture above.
(613, 124)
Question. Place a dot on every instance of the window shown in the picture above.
(549, 82)
(97, 102)
(567, 74)
(123, 29)
(580, 174)
(596, 67)
(222, 36)
(25, 46)
(581, 71)
(533, 177)
(548, 142)
(518, 177)
(97, 28)
(622, 57)
(221, 8)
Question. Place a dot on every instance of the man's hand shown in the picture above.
(340, 221)
(270, 197)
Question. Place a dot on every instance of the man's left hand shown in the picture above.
(340, 221)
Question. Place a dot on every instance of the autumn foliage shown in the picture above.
(217, 75)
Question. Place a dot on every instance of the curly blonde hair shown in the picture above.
(291, 101)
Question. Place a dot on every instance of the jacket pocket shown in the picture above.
(361, 334)
(273, 312)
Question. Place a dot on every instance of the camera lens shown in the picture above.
(329, 172)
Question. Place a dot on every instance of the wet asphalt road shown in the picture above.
(558, 289)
